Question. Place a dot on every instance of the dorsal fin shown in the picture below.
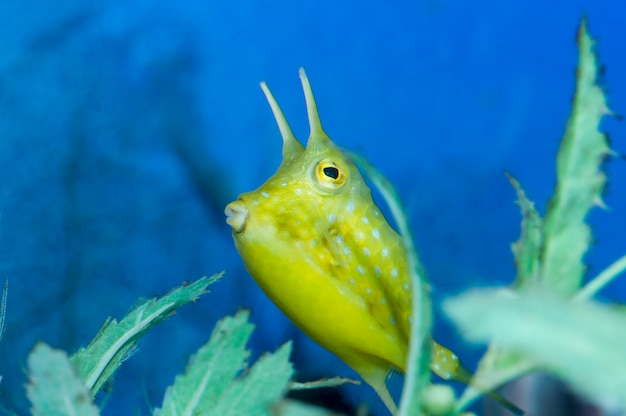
(317, 132)
(291, 146)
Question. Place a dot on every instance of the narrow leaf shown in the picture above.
(600, 281)
(582, 343)
(322, 383)
(3, 309)
(497, 367)
(54, 388)
(115, 341)
(418, 367)
(579, 179)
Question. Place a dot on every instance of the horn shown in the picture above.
(291, 146)
(317, 132)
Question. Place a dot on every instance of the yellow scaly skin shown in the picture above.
(319, 247)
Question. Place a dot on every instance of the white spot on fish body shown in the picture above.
(368, 291)
(360, 269)
(392, 320)
(383, 301)
(265, 194)
(360, 235)
(365, 220)
(377, 270)
(298, 191)
(332, 217)
(284, 184)
(406, 286)
(352, 281)
(366, 251)
(350, 206)
(385, 252)
(376, 213)
(376, 233)
(346, 251)
(255, 202)
(394, 272)
(444, 359)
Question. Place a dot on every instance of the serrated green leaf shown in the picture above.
(115, 340)
(254, 393)
(579, 179)
(54, 388)
(582, 343)
(527, 249)
(211, 370)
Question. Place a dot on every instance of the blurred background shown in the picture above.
(127, 126)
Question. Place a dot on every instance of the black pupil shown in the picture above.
(331, 172)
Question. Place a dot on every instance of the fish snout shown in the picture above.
(236, 215)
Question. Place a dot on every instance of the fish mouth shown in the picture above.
(236, 215)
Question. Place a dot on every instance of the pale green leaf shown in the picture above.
(211, 370)
(322, 383)
(580, 180)
(258, 390)
(116, 340)
(54, 388)
(582, 343)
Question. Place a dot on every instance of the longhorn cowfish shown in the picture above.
(319, 247)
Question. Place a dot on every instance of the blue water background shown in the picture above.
(126, 126)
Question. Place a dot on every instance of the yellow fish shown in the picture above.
(322, 251)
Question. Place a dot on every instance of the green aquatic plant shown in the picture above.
(545, 320)
(548, 321)
(213, 383)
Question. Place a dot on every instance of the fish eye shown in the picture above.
(329, 174)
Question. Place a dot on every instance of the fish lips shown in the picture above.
(236, 215)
